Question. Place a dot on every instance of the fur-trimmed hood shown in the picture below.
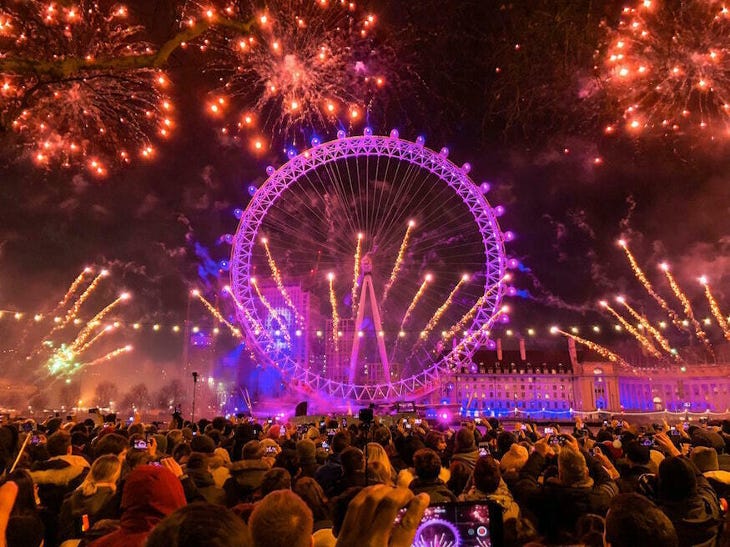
(60, 470)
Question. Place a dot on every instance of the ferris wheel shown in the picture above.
(368, 266)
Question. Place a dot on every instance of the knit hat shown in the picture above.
(274, 431)
(676, 479)
(709, 438)
(705, 459)
(572, 466)
(313, 434)
(464, 441)
(252, 450)
(223, 454)
(637, 453)
(655, 458)
(307, 451)
(514, 459)
(266, 444)
(202, 443)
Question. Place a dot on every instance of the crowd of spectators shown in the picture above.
(266, 484)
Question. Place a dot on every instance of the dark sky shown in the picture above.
(517, 115)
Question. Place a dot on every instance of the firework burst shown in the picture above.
(304, 63)
(599, 349)
(643, 340)
(667, 66)
(71, 86)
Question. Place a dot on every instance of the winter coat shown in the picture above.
(501, 496)
(206, 486)
(557, 507)
(696, 519)
(329, 474)
(469, 458)
(246, 478)
(76, 505)
(435, 488)
(629, 480)
(720, 482)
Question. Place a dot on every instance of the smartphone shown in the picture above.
(325, 446)
(483, 449)
(647, 441)
(685, 426)
(409, 426)
(554, 440)
(344, 422)
(140, 444)
(269, 421)
(282, 432)
(673, 431)
(523, 427)
(476, 523)
(321, 424)
(35, 440)
(605, 423)
(549, 430)
(418, 421)
(28, 427)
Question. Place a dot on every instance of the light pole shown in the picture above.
(195, 385)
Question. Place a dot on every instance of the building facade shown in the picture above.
(547, 384)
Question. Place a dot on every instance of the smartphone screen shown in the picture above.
(549, 430)
(464, 524)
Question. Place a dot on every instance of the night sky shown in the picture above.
(530, 119)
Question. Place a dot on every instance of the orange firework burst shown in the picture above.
(335, 314)
(414, 301)
(70, 90)
(276, 274)
(302, 63)
(668, 66)
(215, 313)
(356, 274)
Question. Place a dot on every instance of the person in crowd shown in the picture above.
(459, 474)
(512, 463)
(274, 479)
(281, 519)
(60, 474)
(312, 494)
(488, 485)
(465, 448)
(80, 509)
(376, 453)
(150, 494)
(307, 453)
(635, 464)
(198, 470)
(246, 475)
(353, 470)
(427, 465)
(685, 496)
(200, 524)
(706, 460)
(330, 473)
(633, 520)
(24, 525)
(558, 502)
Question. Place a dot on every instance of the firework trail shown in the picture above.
(416, 298)
(600, 350)
(109, 356)
(272, 311)
(235, 331)
(716, 312)
(257, 326)
(643, 340)
(356, 274)
(84, 296)
(91, 325)
(335, 315)
(71, 291)
(95, 339)
(276, 273)
(439, 312)
(644, 322)
(453, 331)
(701, 336)
(398, 262)
(638, 272)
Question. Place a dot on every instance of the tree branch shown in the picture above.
(66, 68)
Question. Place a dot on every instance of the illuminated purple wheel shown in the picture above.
(366, 267)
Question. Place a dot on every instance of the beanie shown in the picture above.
(307, 451)
(514, 459)
(572, 467)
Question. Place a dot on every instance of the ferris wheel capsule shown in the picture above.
(394, 134)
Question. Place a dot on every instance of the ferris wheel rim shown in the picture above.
(343, 148)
